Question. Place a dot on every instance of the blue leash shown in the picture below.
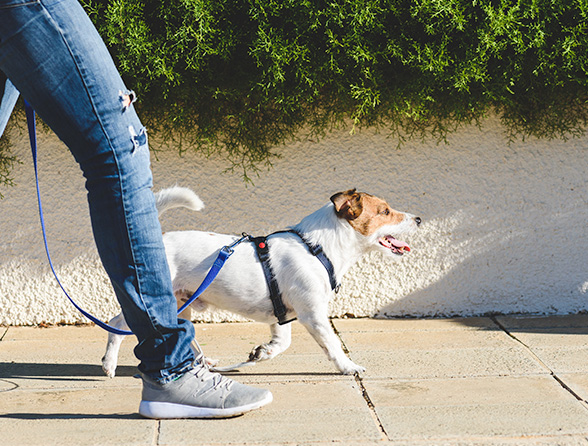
(223, 255)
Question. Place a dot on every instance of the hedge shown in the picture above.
(243, 76)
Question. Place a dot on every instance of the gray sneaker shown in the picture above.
(200, 393)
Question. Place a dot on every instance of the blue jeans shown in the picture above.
(53, 55)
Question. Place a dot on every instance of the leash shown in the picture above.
(222, 257)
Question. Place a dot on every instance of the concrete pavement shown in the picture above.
(474, 381)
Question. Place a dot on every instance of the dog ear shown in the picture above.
(348, 204)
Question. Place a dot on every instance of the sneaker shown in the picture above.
(200, 393)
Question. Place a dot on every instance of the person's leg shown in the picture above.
(51, 52)
(54, 56)
(7, 102)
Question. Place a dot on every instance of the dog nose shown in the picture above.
(417, 220)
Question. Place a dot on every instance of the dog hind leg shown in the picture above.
(110, 358)
(281, 339)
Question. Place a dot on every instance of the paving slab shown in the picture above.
(564, 360)
(231, 343)
(570, 337)
(59, 357)
(301, 412)
(241, 338)
(74, 417)
(412, 324)
(434, 348)
(437, 362)
(475, 420)
(528, 440)
(286, 367)
(521, 406)
(493, 390)
(462, 381)
(562, 347)
(577, 382)
(425, 340)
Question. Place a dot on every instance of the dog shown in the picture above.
(351, 225)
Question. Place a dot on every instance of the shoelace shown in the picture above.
(213, 367)
(202, 371)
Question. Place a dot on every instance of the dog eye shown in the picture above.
(385, 211)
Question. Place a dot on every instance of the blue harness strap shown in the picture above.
(223, 255)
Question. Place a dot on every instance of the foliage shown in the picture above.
(243, 76)
(7, 161)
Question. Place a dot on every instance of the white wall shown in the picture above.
(505, 226)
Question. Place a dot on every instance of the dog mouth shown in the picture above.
(397, 247)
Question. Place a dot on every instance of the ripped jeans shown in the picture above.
(53, 55)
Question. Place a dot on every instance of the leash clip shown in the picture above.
(229, 248)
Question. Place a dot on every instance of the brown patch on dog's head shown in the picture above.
(348, 204)
(364, 212)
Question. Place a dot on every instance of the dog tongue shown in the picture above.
(399, 244)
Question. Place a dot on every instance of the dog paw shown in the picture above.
(210, 362)
(109, 368)
(351, 369)
(261, 353)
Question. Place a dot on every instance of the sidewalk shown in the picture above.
(474, 381)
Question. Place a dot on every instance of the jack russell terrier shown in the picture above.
(350, 226)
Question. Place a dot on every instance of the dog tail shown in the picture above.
(175, 197)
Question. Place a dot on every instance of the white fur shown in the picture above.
(177, 196)
(240, 286)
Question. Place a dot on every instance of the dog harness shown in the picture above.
(280, 310)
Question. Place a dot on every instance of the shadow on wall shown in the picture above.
(504, 225)
(473, 264)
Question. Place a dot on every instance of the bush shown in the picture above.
(243, 76)
(7, 161)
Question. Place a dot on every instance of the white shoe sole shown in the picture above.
(161, 410)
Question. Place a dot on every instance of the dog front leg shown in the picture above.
(322, 332)
(110, 358)
(281, 339)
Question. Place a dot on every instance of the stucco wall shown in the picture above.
(505, 226)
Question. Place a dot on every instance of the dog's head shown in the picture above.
(373, 218)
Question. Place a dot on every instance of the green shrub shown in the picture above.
(7, 161)
(243, 76)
